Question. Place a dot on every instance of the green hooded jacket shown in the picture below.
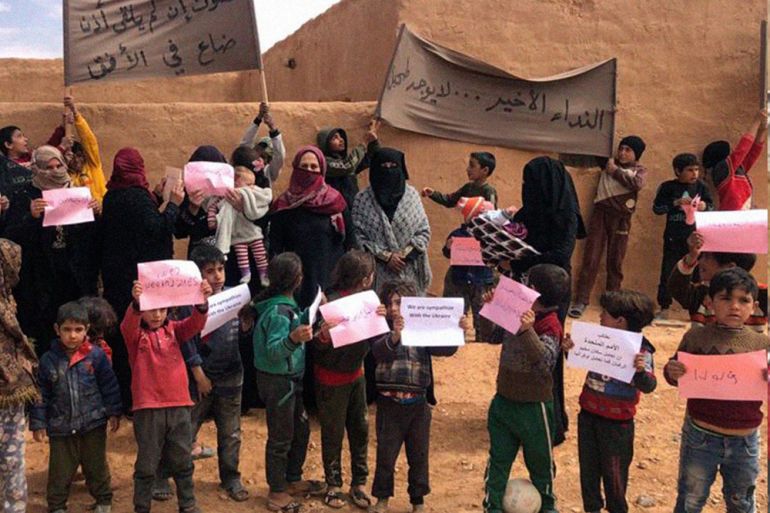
(274, 352)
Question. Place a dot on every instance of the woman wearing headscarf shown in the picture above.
(59, 263)
(551, 214)
(18, 366)
(134, 229)
(391, 224)
(308, 220)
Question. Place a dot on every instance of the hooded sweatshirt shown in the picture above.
(274, 351)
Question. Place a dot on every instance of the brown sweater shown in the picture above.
(714, 339)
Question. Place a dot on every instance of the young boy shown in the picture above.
(161, 398)
(730, 170)
(222, 365)
(270, 149)
(720, 435)
(521, 413)
(670, 197)
(610, 223)
(80, 396)
(467, 281)
(693, 295)
(404, 377)
(14, 145)
(608, 406)
(481, 165)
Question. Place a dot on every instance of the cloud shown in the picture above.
(4, 7)
(9, 31)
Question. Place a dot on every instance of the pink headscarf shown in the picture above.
(128, 171)
(309, 190)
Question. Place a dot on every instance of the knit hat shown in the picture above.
(635, 143)
(714, 153)
(471, 207)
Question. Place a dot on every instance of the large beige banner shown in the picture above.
(436, 91)
(119, 39)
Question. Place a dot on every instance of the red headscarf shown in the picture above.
(309, 190)
(128, 171)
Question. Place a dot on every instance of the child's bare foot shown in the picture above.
(359, 497)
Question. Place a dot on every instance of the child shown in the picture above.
(730, 170)
(404, 401)
(80, 397)
(481, 165)
(343, 167)
(610, 223)
(720, 435)
(101, 322)
(222, 365)
(238, 229)
(670, 197)
(521, 413)
(608, 406)
(17, 387)
(161, 398)
(466, 281)
(269, 149)
(14, 145)
(279, 356)
(693, 295)
(340, 388)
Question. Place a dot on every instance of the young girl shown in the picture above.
(280, 335)
(238, 228)
(340, 388)
(102, 321)
(404, 400)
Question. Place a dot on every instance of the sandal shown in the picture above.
(291, 507)
(360, 498)
(334, 499)
(161, 491)
(576, 310)
(206, 452)
(237, 493)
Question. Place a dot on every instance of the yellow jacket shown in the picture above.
(92, 174)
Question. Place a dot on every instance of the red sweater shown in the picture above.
(158, 371)
(731, 176)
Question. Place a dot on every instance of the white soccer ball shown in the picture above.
(521, 496)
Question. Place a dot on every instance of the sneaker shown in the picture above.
(576, 310)
(246, 278)
(264, 280)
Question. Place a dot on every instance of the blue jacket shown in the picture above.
(79, 392)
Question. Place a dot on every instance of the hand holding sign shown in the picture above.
(214, 178)
(689, 210)
(726, 377)
(510, 301)
(167, 283)
(70, 205)
(225, 306)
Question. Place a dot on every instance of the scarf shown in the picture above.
(46, 179)
(18, 363)
(548, 198)
(388, 176)
(207, 154)
(310, 191)
(128, 171)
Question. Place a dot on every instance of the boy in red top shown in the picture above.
(730, 170)
(161, 395)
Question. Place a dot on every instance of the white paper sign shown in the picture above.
(607, 351)
(432, 322)
(357, 318)
(67, 206)
(225, 306)
(313, 310)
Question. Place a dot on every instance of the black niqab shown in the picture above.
(388, 176)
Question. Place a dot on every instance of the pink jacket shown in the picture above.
(158, 371)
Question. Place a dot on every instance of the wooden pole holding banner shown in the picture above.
(264, 85)
(763, 65)
(68, 128)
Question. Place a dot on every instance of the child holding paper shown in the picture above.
(720, 435)
(481, 165)
(404, 377)
(521, 413)
(80, 396)
(466, 281)
(669, 201)
(161, 398)
(282, 329)
(730, 169)
(608, 406)
(237, 228)
(340, 388)
(693, 295)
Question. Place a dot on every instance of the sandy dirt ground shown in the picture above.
(459, 445)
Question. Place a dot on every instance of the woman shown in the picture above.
(134, 229)
(551, 214)
(308, 220)
(59, 263)
(391, 224)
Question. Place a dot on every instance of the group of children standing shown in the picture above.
(76, 395)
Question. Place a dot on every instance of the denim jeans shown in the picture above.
(702, 454)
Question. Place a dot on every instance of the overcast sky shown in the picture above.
(33, 28)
